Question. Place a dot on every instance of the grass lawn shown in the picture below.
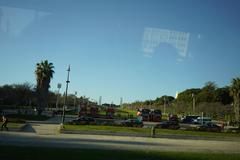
(125, 113)
(147, 131)
(120, 113)
(132, 112)
(15, 125)
(40, 153)
(102, 113)
(107, 128)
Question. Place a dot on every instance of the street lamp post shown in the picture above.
(164, 105)
(65, 99)
(194, 103)
(100, 101)
(121, 101)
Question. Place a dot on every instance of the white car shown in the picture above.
(203, 120)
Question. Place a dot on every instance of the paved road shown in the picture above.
(117, 142)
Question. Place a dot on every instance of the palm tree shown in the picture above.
(235, 92)
(44, 73)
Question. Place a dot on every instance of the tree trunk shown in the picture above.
(41, 100)
(237, 113)
(236, 109)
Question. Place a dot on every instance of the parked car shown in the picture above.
(173, 117)
(209, 127)
(57, 112)
(168, 125)
(202, 120)
(132, 123)
(156, 115)
(83, 121)
(145, 113)
(189, 119)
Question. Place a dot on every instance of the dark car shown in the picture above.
(189, 119)
(83, 121)
(168, 125)
(209, 127)
(132, 123)
(58, 112)
(145, 113)
(173, 118)
(156, 115)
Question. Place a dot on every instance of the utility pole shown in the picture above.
(164, 105)
(65, 99)
(121, 101)
(194, 103)
(100, 101)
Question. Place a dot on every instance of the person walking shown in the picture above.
(4, 123)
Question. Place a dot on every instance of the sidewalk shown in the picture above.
(117, 142)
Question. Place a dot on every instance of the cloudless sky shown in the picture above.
(102, 41)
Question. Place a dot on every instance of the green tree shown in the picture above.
(7, 95)
(44, 73)
(207, 92)
(23, 93)
(210, 86)
(17, 94)
(186, 96)
(235, 92)
(223, 95)
(160, 100)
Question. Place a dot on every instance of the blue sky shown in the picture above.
(103, 43)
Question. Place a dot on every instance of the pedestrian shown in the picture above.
(153, 131)
(4, 123)
(138, 113)
(222, 126)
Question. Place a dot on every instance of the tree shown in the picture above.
(17, 94)
(186, 96)
(44, 73)
(164, 99)
(235, 92)
(23, 93)
(223, 95)
(210, 86)
(7, 95)
(207, 92)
